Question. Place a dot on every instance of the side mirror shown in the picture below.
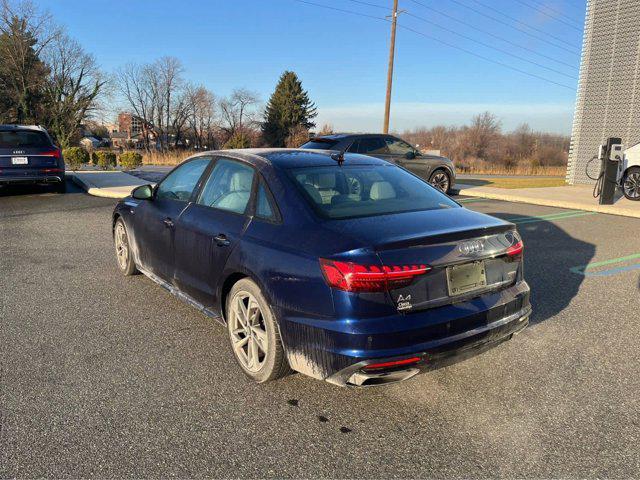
(410, 155)
(143, 192)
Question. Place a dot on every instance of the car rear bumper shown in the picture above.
(339, 350)
(31, 179)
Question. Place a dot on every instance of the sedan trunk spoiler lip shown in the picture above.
(443, 237)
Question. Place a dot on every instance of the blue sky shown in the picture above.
(342, 58)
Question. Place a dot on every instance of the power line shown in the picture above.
(549, 15)
(486, 45)
(534, 75)
(491, 34)
(436, 39)
(558, 12)
(505, 52)
(542, 39)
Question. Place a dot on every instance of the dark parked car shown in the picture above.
(345, 268)
(439, 171)
(29, 156)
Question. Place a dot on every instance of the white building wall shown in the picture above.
(608, 100)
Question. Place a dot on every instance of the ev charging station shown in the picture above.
(611, 155)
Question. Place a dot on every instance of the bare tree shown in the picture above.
(134, 84)
(201, 116)
(72, 90)
(238, 112)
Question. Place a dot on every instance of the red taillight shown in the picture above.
(515, 249)
(53, 153)
(353, 277)
(395, 363)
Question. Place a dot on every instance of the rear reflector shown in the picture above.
(352, 277)
(395, 363)
(51, 170)
(515, 249)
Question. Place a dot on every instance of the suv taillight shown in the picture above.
(53, 153)
(353, 277)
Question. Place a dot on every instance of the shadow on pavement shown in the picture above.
(550, 253)
(23, 190)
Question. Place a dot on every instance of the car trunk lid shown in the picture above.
(466, 253)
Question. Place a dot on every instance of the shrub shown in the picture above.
(75, 157)
(130, 160)
(239, 140)
(104, 160)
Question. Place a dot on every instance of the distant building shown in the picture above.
(608, 101)
(130, 131)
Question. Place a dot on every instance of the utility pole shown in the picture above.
(392, 51)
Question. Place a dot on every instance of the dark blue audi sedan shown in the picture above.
(345, 267)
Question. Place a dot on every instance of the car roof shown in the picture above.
(294, 157)
(22, 127)
(342, 136)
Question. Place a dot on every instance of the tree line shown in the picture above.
(482, 145)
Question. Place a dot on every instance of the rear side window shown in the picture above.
(228, 186)
(320, 144)
(23, 139)
(264, 208)
(180, 183)
(372, 146)
(365, 190)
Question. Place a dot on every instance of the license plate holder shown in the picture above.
(466, 278)
(19, 161)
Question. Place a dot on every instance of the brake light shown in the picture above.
(53, 153)
(515, 249)
(352, 277)
(395, 363)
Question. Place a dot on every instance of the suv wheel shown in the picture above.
(253, 333)
(440, 180)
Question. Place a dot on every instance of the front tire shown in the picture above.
(253, 333)
(124, 254)
(631, 184)
(440, 180)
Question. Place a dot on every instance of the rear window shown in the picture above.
(365, 190)
(23, 139)
(319, 144)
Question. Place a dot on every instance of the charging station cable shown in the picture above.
(597, 189)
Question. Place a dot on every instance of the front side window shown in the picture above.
(372, 146)
(398, 147)
(228, 186)
(366, 190)
(180, 183)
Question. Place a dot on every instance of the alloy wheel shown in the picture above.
(122, 246)
(440, 180)
(632, 185)
(248, 332)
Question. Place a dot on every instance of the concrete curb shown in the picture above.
(104, 192)
(473, 191)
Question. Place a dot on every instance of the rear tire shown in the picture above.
(631, 184)
(124, 255)
(440, 180)
(253, 333)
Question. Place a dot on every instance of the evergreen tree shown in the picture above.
(22, 74)
(289, 107)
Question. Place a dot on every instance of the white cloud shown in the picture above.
(556, 118)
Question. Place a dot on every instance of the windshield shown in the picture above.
(319, 144)
(23, 138)
(365, 190)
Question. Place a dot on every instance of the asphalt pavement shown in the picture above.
(107, 376)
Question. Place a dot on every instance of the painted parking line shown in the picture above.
(474, 200)
(550, 217)
(588, 270)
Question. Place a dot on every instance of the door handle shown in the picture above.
(222, 240)
(168, 222)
